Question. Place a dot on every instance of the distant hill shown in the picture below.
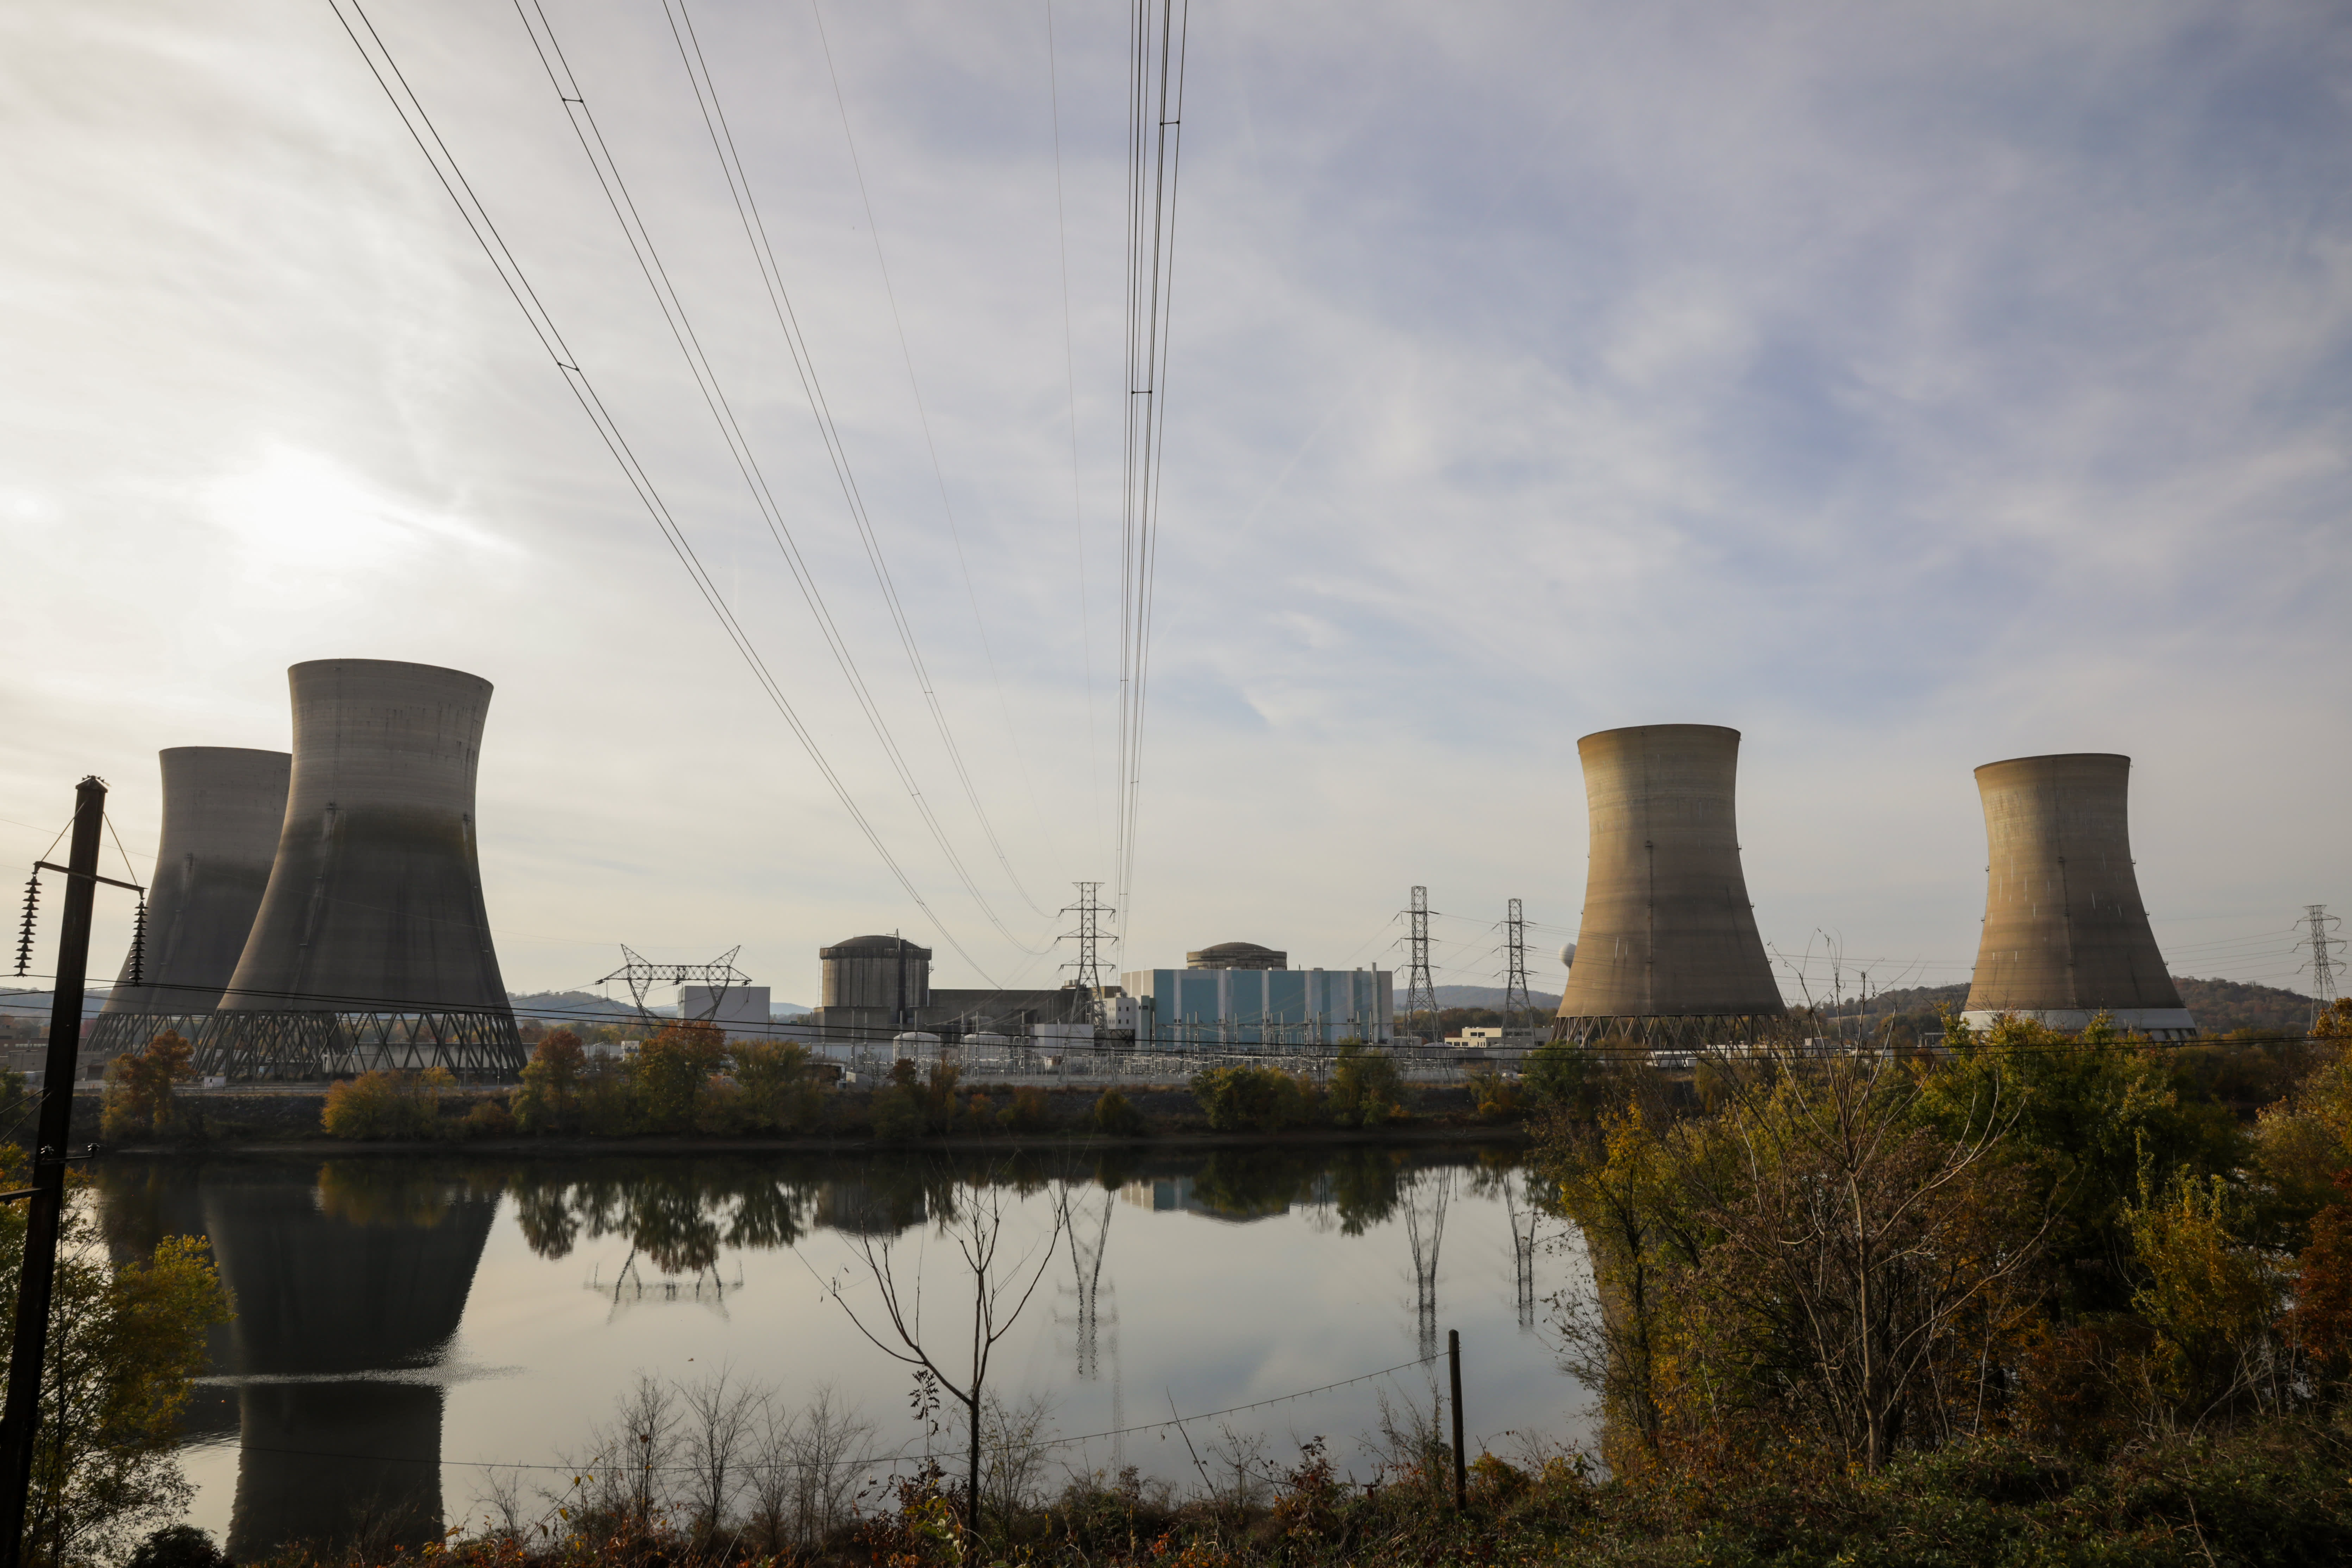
(1479, 996)
(2221, 1005)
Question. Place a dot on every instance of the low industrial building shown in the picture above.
(877, 987)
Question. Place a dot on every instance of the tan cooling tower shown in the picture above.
(371, 948)
(2065, 935)
(223, 808)
(1667, 930)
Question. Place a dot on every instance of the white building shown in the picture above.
(741, 1010)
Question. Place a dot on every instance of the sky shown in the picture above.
(1907, 388)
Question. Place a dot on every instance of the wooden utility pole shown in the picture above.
(35, 1286)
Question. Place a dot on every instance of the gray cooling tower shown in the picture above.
(1667, 932)
(2065, 935)
(223, 808)
(371, 948)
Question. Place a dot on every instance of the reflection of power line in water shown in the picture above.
(1426, 1232)
(630, 1288)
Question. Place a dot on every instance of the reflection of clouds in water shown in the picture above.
(1268, 1272)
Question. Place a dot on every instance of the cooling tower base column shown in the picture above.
(244, 1047)
(2156, 1023)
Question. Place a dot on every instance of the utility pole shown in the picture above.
(37, 1281)
(1088, 983)
(1419, 990)
(1518, 1004)
(2318, 924)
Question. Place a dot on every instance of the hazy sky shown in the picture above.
(1908, 386)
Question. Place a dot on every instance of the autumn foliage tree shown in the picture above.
(139, 1087)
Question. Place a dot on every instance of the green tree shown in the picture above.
(1366, 1091)
(1261, 1099)
(671, 1074)
(550, 1097)
(2083, 1112)
(779, 1083)
(387, 1104)
(125, 1342)
(138, 1088)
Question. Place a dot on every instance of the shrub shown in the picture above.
(489, 1119)
(1366, 1089)
(179, 1546)
(387, 1104)
(1496, 1098)
(1029, 1113)
(1116, 1116)
(670, 1073)
(779, 1080)
(1256, 1099)
(909, 1106)
(1556, 1073)
(138, 1088)
(549, 1099)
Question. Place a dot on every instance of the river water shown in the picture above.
(409, 1332)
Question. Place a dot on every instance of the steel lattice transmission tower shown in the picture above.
(642, 975)
(1419, 990)
(2318, 924)
(1518, 1009)
(1090, 910)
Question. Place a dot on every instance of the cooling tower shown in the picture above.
(371, 948)
(223, 807)
(2065, 936)
(1668, 942)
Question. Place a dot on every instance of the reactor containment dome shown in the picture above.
(371, 948)
(1667, 950)
(2065, 935)
(223, 808)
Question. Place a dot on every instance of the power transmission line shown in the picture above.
(2320, 924)
(419, 125)
(771, 279)
(1159, 32)
(1420, 989)
(922, 415)
(591, 136)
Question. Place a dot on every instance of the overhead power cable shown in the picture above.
(923, 418)
(420, 127)
(1070, 382)
(1158, 35)
(623, 206)
(772, 278)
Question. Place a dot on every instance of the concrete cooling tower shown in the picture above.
(2065, 935)
(223, 808)
(371, 948)
(1668, 946)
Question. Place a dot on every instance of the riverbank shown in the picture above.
(267, 1119)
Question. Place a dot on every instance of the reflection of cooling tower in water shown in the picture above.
(371, 947)
(223, 808)
(342, 1283)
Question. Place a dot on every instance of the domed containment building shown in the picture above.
(222, 809)
(875, 987)
(2065, 935)
(1667, 948)
(371, 947)
(1237, 955)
